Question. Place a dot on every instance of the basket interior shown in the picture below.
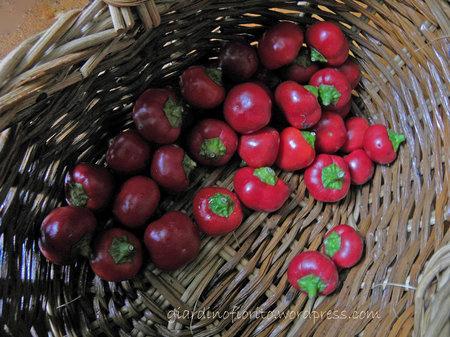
(401, 212)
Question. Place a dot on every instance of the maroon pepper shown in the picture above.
(171, 168)
(343, 112)
(328, 43)
(313, 273)
(117, 255)
(296, 149)
(381, 144)
(239, 61)
(158, 116)
(334, 90)
(172, 241)
(302, 69)
(330, 133)
(247, 108)
(217, 210)
(212, 142)
(351, 71)
(280, 45)
(328, 178)
(260, 189)
(356, 129)
(202, 87)
(128, 153)
(136, 201)
(89, 186)
(259, 148)
(360, 166)
(66, 232)
(299, 104)
(343, 245)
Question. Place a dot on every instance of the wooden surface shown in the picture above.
(22, 18)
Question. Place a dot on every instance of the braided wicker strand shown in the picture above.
(122, 16)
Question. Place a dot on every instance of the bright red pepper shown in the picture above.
(117, 255)
(302, 69)
(360, 166)
(381, 144)
(313, 273)
(89, 186)
(217, 210)
(202, 87)
(328, 43)
(158, 116)
(171, 168)
(260, 189)
(356, 129)
(172, 241)
(247, 108)
(330, 133)
(212, 142)
(343, 245)
(280, 45)
(334, 90)
(328, 178)
(299, 104)
(296, 149)
(259, 148)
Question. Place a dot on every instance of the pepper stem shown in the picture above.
(221, 204)
(266, 175)
(332, 177)
(189, 165)
(215, 74)
(332, 244)
(77, 194)
(213, 148)
(328, 94)
(122, 250)
(174, 112)
(396, 139)
(312, 89)
(317, 57)
(310, 137)
(311, 284)
(83, 246)
(303, 59)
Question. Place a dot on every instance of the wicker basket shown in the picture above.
(67, 91)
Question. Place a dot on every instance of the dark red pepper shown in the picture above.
(299, 104)
(296, 149)
(313, 273)
(89, 186)
(330, 133)
(172, 241)
(239, 61)
(212, 142)
(136, 201)
(351, 71)
(343, 245)
(117, 255)
(356, 129)
(158, 116)
(302, 69)
(259, 148)
(260, 189)
(217, 210)
(171, 168)
(328, 178)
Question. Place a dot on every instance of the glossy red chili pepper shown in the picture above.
(360, 166)
(381, 144)
(259, 148)
(330, 133)
(356, 129)
(334, 90)
(296, 149)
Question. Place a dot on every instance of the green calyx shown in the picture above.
(189, 165)
(312, 89)
(317, 57)
(221, 205)
(303, 59)
(332, 244)
(174, 112)
(122, 250)
(310, 137)
(213, 148)
(396, 139)
(266, 174)
(83, 247)
(312, 285)
(332, 177)
(77, 195)
(328, 94)
(215, 74)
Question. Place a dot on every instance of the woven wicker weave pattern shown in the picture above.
(67, 91)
